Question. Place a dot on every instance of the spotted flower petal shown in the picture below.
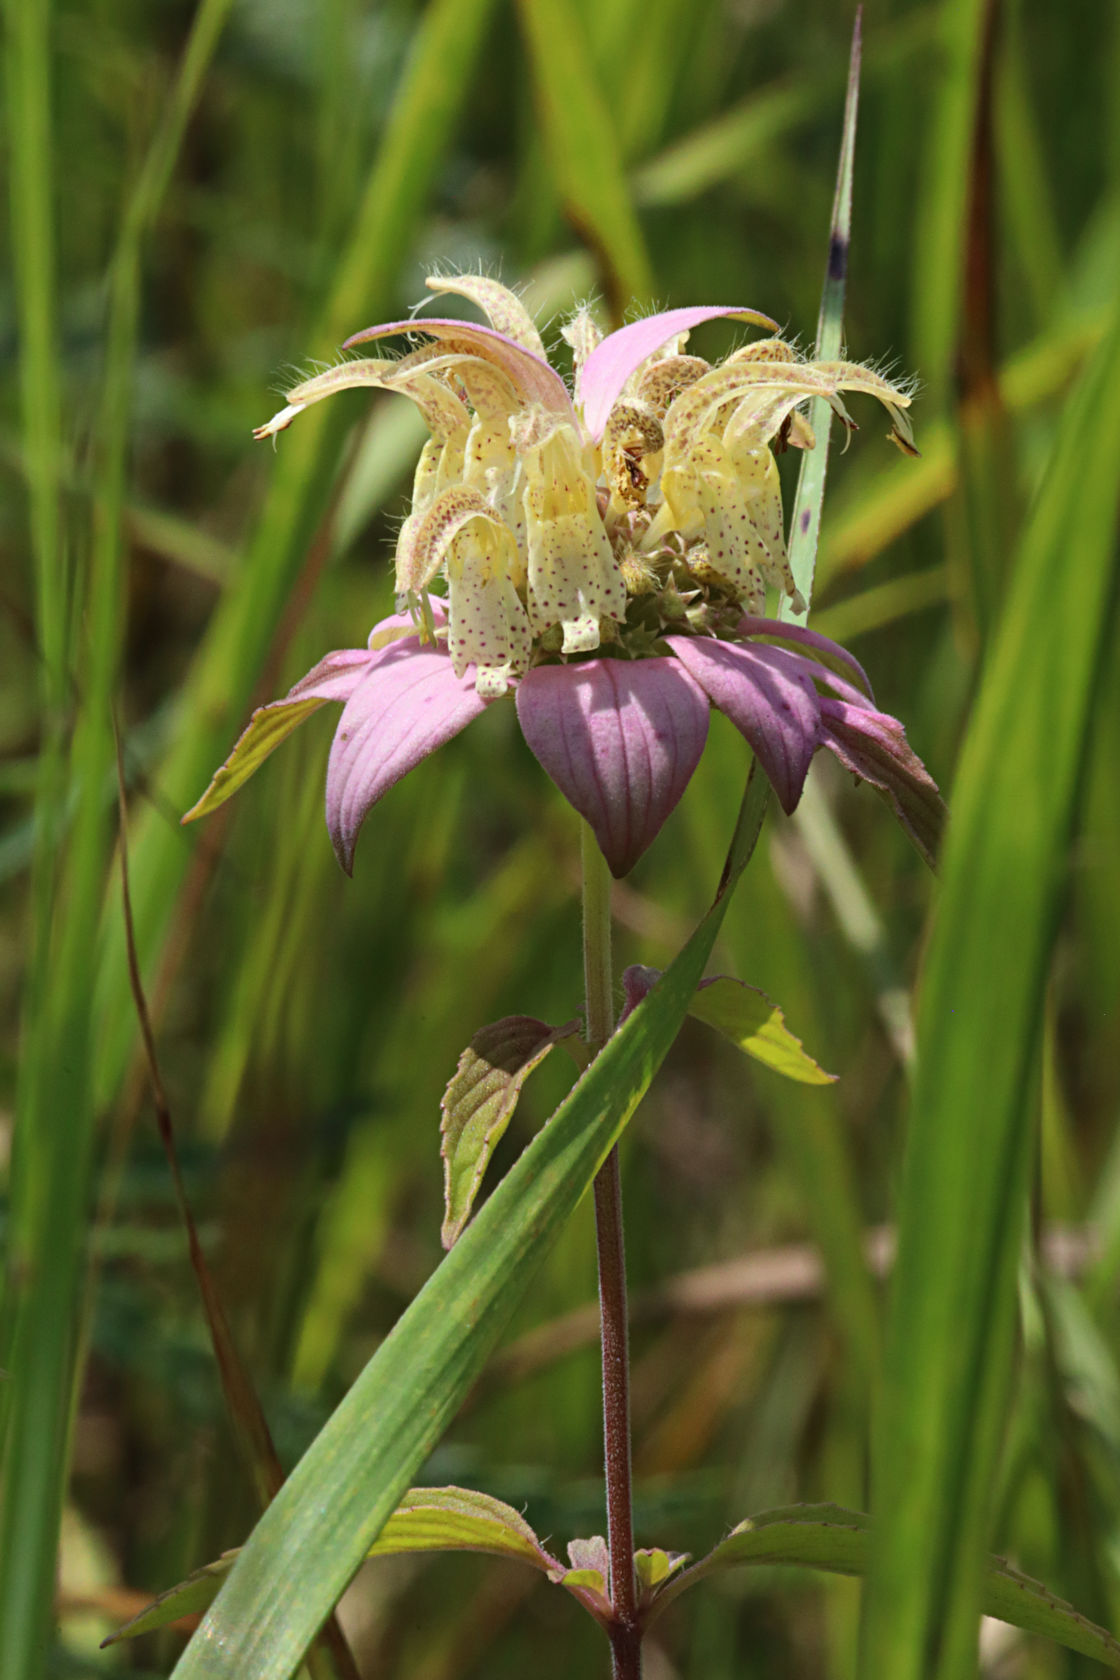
(609, 366)
(408, 703)
(620, 739)
(770, 699)
(503, 308)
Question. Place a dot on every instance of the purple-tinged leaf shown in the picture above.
(588, 1575)
(334, 678)
(408, 703)
(620, 739)
(768, 697)
(873, 746)
(610, 365)
(479, 1103)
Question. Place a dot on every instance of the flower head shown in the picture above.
(607, 556)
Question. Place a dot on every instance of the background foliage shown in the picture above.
(201, 199)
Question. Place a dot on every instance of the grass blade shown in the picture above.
(584, 149)
(964, 1193)
(806, 523)
(53, 1151)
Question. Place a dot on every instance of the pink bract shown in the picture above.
(610, 365)
(619, 738)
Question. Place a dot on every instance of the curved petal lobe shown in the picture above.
(620, 739)
(533, 377)
(611, 363)
(768, 697)
(408, 703)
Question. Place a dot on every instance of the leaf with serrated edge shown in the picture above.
(831, 1538)
(447, 1519)
(756, 1026)
(479, 1103)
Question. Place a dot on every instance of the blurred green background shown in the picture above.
(201, 200)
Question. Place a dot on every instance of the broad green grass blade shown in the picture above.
(584, 149)
(980, 1025)
(813, 1138)
(312, 1538)
(806, 523)
(227, 666)
(832, 1538)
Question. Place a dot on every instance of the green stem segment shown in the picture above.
(625, 1633)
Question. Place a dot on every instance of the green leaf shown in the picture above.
(190, 1598)
(479, 1102)
(266, 729)
(964, 1196)
(454, 1519)
(757, 1027)
(447, 1519)
(654, 1568)
(301, 1555)
(831, 1538)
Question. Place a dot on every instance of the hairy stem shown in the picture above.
(597, 972)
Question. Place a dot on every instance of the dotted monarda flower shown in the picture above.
(603, 555)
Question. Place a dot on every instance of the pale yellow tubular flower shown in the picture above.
(489, 462)
(502, 308)
(720, 482)
(574, 579)
(718, 501)
(441, 459)
(757, 474)
(487, 623)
